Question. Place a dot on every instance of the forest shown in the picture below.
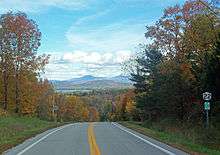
(23, 92)
(179, 62)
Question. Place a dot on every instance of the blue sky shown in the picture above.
(89, 37)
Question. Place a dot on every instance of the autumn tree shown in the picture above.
(20, 42)
(125, 107)
(44, 93)
(6, 56)
(184, 39)
(93, 114)
(74, 109)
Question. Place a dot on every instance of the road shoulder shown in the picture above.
(32, 140)
(169, 139)
(167, 149)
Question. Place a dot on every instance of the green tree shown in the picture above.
(144, 79)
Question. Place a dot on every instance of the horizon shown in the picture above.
(120, 75)
(84, 37)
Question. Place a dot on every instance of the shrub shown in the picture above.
(3, 113)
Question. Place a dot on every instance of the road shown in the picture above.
(99, 138)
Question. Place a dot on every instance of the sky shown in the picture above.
(89, 37)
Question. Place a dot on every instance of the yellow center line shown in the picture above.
(94, 149)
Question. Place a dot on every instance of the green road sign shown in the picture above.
(207, 105)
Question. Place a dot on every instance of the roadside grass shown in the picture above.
(14, 129)
(173, 138)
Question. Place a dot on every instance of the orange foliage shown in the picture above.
(187, 72)
(93, 114)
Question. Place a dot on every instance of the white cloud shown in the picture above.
(98, 50)
(112, 37)
(123, 56)
(86, 19)
(80, 63)
(39, 5)
(96, 57)
(100, 41)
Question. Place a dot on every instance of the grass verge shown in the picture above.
(171, 138)
(14, 130)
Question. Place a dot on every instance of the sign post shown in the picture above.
(207, 97)
(54, 109)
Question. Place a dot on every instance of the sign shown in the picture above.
(55, 107)
(207, 96)
(207, 105)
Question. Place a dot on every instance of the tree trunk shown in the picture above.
(5, 89)
(17, 101)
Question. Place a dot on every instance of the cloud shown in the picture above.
(102, 36)
(79, 63)
(112, 37)
(39, 5)
(96, 57)
(88, 18)
(99, 48)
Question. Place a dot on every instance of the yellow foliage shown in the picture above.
(130, 106)
(75, 109)
(3, 113)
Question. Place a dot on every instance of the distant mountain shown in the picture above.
(84, 79)
(121, 79)
(89, 82)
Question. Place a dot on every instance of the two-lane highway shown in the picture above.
(100, 138)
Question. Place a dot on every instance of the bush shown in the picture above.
(209, 137)
(3, 113)
(148, 123)
(196, 133)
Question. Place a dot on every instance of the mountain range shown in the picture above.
(89, 82)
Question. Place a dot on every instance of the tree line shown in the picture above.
(179, 62)
(22, 91)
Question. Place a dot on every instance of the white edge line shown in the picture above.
(146, 141)
(30, 146)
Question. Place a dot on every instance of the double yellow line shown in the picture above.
(94, 149)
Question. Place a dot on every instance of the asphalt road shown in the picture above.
(100, 138)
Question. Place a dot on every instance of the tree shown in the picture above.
(5, 55)
(20, 42)
(211, 75)
(74, 109)
(93, 114)
(144, 79)
(124, 108)
(44, 95)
